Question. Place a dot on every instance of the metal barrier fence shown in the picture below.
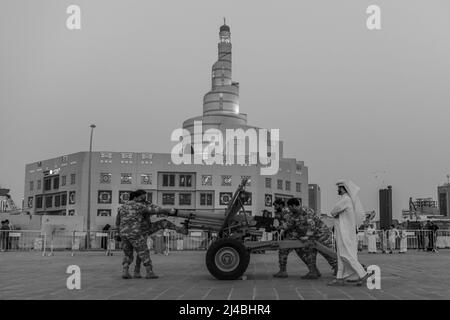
(105, 241)
(386, 241)
(22, 240)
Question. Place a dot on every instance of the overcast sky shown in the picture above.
(348, 101)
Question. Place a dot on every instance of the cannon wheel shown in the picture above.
(227, 259)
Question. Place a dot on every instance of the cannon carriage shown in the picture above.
(228, 257)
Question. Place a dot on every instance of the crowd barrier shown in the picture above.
(387, 241)
(107, 242)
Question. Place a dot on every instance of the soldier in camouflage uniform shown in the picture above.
(302, 224)
(133, 223)
(148, 228)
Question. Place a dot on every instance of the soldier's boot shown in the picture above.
(282, 273)
(126, 273)
(313, 274)
(137, 271)
(150, 274)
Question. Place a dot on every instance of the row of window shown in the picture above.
(125, 178)
(52, 201)
(53, 183)
(126, 155)
(168, 198)
(298, 185)
(185, 180)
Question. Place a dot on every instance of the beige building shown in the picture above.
(58, 186)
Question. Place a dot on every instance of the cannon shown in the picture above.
(228, 257)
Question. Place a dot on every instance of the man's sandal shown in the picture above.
(336, 283)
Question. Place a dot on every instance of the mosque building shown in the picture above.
(59, 186)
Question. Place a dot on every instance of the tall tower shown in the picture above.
(386, 207)
(221, 103)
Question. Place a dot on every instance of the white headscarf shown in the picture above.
(352, 191)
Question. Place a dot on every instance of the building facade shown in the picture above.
(386, 207)
(58, 186)
(444, 200)
(314, 198)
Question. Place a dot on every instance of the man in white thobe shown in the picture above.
(372, 239)
(348, 216)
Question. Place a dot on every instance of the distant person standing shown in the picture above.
(420, 237)
(393, 235)
(383, 240)
(104, 241)
(372, 239)
(429, 236)
(403, 241)
(4, 236)
(433, 236)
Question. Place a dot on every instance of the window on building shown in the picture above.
(63, 180)
(226, 181)
(72, 178)
(71, 212)
(47, 184)
(39, 184)
(146, 178)
(298, 187)
(168, 199)
(63, 199)
(125, 178)
(104, 213)
(104, 196)
(207, 180)
(225, 197)
(56, 183)
(280, 184)
(57, 200)
(31, 185)
(48, 201)
(127, 155)
(185, 199)
(39, 202)
(147, 156)
(30, 202)
(124, 196)
(206, 199)
(268, 183)
(288, 185)
(72, 197)
(185, 180)
(106, 155)
(168, 180)
(105, 177)
(64, 159)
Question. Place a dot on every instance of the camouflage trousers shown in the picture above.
(156, 226)
(309, 255)
(138, 244)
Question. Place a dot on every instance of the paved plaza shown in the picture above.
(183, 275)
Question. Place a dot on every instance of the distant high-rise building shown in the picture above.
(385, 207)
(444, 199)
(314, 197)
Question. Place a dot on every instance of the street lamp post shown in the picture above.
(88, 218)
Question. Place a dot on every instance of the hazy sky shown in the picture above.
(348, 101)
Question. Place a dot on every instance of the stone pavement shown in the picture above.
(183, 275)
